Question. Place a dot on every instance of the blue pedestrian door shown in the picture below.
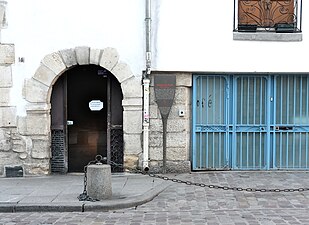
(250, 122)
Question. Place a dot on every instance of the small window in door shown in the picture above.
(278, 16)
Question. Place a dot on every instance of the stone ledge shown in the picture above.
(267, 36)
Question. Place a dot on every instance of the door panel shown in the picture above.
(251, 122)
(88, 135)
(250, 116)
(291, 127)
(58, 129)
(210, 134)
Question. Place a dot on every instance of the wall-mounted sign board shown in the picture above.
(95, 105)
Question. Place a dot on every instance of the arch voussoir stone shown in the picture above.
(95, 56)
(69, 57)
(44, 75)
(82, 55)
(54, 62)
(109, 58)
(122, 72)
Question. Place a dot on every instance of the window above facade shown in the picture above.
(274, 20)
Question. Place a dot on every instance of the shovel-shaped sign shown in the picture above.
(164, 87)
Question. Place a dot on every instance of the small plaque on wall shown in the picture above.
(95, 105)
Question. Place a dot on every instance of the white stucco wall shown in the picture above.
(188, 35)
(38, 28)
(198, 36)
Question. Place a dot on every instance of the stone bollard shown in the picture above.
(99, 184)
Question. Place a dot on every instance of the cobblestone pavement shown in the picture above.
(187, 204)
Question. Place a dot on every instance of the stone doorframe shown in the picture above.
(35, 127)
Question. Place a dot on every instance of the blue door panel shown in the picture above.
(247, 122)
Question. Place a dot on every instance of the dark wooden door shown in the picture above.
(87, 128)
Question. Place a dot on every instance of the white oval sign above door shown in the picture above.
(95, 105)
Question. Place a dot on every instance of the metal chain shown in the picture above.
(227, 188)
(211, 186)
(85, 197)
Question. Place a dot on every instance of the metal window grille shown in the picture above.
(281, 16)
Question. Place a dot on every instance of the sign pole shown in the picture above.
(164, 88)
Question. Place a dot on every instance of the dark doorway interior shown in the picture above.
(88, 129)
(87, 136)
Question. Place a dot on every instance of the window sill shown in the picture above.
(267, 36)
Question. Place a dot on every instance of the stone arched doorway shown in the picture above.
(37, 92)
(86, 119)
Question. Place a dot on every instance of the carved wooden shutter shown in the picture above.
(265, 13)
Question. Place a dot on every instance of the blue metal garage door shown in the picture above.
(250, 122)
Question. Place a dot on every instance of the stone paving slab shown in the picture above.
(60, 192)
(179, 203)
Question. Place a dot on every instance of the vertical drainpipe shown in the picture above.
(146, 82)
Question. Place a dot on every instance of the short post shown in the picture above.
(99, 184)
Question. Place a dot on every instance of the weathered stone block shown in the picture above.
(184, 79)
(95, 55)
(109, 58)
(177, 140)
(54, 62)
(174, 122)
(5, 76)
(44, 75)
(178, 166)
(123, 72)
(132, 104)
(156, 125)
(132, 143)
(7, 53)
(156, 139)
(82, 55)
(134, 122)
(131, 160)
(171, 166)
(8, 116)
(41, 149)
(156, 153)
(37, 167)
(177, 125)
(5, 140)
(177, 154)
(37, 124)
(22, 144)
(69, 57)
(132, 88)
(182, 95)
(34, 91)
(4, 96)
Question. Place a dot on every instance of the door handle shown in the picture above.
(284, 128)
